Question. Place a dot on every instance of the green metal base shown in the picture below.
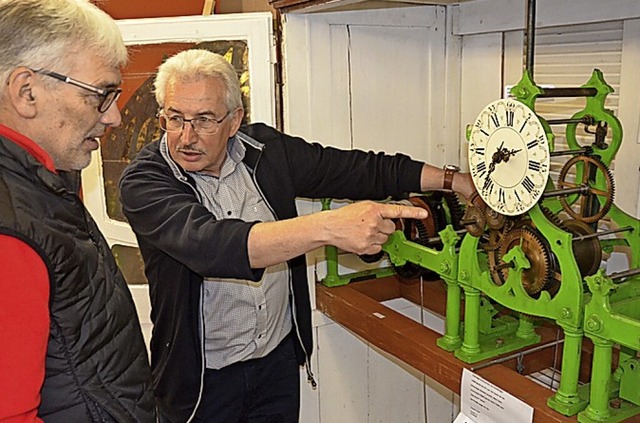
(339, 280)
(449, 343)
(500, 341)
(625, 411)
(572, 406)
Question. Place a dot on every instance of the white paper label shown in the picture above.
(483, 402)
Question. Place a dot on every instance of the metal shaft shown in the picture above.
(569, 152)
(529, 36)
(516, 355)
(603, 233)
(617, 277)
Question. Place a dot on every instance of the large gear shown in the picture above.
(535, 278)
(590, 209)
(587, 252)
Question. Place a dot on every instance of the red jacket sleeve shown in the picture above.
(24, 330)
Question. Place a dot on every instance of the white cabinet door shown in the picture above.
(373, 80)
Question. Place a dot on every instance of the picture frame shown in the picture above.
(149, 40)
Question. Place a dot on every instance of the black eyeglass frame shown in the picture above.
(160, 115)
(108, 95)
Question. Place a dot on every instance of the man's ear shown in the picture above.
(236, 120)
(21, 93)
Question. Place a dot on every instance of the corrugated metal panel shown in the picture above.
(566, 57)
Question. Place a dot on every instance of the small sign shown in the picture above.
(483, 402)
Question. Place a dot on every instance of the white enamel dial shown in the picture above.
(509, 157)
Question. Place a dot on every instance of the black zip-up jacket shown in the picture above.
(96, 360)
(181, 241)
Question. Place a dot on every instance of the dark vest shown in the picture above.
(96, 361)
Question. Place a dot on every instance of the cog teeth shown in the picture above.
(553, 218)
(456, 210)
(536, 277)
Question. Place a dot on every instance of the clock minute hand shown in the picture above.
(496, 158)
(487, 181)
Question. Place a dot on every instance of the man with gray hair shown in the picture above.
(72, 347)
(213, 207)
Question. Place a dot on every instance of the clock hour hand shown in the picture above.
(506, 153)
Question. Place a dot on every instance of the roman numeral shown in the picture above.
(535, 166)
(510, 117)
(532, 144)
(525, 123)
(528, 184)
(488, 186)
(478, 150)
(496, 121)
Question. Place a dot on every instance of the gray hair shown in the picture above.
(194, 65)
(40, 33)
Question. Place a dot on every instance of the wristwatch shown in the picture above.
(449, 170)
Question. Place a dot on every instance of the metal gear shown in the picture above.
(589, 211)
(587, 252)
(474, 221)
(535, 278)
(494, 219)
(418, 231)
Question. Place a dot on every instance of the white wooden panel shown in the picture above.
(396, 90)
(504, 15)
(481, 80)
(342, 376)
(395, 390)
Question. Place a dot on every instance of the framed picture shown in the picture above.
(246, 41)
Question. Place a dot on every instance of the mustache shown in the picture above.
(190, 150)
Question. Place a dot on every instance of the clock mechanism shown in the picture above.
(537, 251)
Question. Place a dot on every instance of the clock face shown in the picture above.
(509, 157)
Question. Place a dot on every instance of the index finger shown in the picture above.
(396, 211)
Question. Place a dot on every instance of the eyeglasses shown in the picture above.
(202, 125)
(107, 95)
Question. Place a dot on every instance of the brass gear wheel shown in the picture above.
(535, 250)
(590, 209)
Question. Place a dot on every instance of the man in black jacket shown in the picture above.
(213, 208)
(72, 348)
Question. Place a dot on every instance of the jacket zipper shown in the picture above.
(307, 359)
(182, 178)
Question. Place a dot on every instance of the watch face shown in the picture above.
(509, 157)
